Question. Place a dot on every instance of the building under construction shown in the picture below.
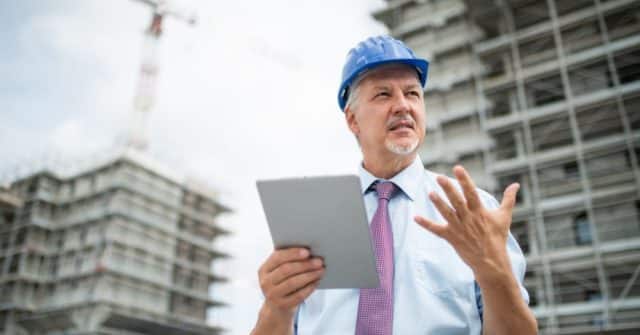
(122, 248)
(545, 93)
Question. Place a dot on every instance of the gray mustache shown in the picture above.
(395, 120)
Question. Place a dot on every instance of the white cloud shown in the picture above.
(247, 93)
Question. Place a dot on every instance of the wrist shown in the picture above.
(274, 319)
(495, 270)
(273, 312)
(500, 278)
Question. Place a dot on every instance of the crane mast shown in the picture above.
(146, 90)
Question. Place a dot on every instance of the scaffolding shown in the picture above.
(119, 248)
(547, 94)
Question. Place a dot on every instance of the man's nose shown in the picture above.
(401, 104)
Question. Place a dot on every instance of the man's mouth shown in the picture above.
(401, 124)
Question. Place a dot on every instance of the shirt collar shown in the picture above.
(408, 180)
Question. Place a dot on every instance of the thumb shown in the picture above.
(509, 197)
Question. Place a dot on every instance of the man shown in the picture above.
(446, 261)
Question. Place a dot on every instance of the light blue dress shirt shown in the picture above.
(434, 290)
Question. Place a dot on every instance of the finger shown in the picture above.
(295, 283)
(509, 197)
(468, 187)
(431, 226)
(454, 196)
(281, 256)
(447, 212)
(290, 269)
(295, 298)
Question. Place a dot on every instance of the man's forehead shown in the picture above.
(385, 73)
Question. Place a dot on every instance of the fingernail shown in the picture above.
(304, 253)
(316, 262)
(432, 196)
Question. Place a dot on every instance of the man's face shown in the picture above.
(388, 117)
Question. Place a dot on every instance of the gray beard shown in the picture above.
(401, 149)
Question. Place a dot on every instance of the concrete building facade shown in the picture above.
(122, 248)
(545, 93)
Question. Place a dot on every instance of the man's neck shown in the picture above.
(387, 167)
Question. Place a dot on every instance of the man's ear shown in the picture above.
(352, 123)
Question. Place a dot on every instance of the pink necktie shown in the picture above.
(375, 308)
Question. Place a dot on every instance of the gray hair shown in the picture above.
(354, 91)
(352, 99)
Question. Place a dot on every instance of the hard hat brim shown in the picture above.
(421, 66)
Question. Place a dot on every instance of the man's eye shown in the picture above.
(382, 94)
(415, 93)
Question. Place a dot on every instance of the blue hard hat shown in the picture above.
(375, 51)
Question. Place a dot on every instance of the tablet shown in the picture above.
(326, 215)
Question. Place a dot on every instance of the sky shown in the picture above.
(247, 93)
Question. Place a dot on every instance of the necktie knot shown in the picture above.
(386, 190)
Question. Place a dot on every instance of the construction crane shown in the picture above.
(145, 94)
